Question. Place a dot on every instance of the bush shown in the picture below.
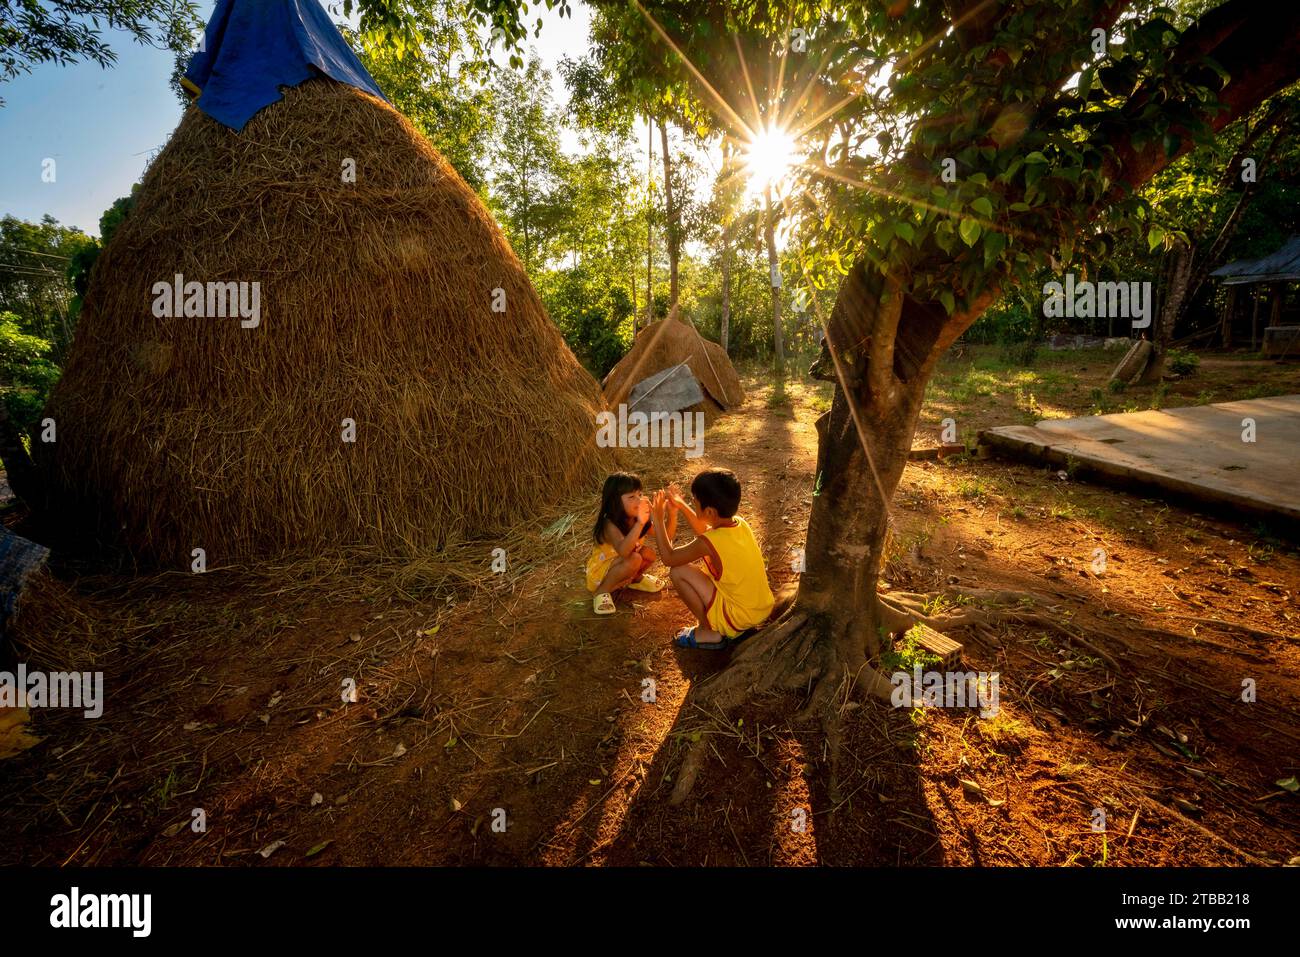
(1182, 362)
(594, 318)
(26, 375)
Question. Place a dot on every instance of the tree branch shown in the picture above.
(1256, 43)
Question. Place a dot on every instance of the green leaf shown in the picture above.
(1035, 157)
(1155, 237)
(319, 847)
(983, 206)
(994, 243)
(949, 303)
(904, 232)
(970, 231)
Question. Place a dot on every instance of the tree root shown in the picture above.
(908, 608)
(751, 671)
(794, 654)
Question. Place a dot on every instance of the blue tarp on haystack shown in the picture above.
(253, 47)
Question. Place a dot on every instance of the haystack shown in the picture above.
(664, 344)
(377, 319)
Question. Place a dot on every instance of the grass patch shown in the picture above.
(1003, 733)
(907, 653)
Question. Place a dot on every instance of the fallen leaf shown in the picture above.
(271, 848)
(1290, 784)
(317, 798)
(319, 847)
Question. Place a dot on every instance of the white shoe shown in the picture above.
(603, 604)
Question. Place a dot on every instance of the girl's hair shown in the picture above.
(611, 504)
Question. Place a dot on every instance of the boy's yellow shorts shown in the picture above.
(728, 619)
(602, 557)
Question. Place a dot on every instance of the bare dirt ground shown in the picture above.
(484, 698)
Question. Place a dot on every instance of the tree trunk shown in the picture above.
(1204, 261)
(726, 287)
(649, 225)
(728, 230)
(1176, 292)
(863, 444)
(1229, 313)
(674, 231)
(1254, 321)
(769, 234)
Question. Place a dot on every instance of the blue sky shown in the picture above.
(100, 126)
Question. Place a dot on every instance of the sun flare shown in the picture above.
(769, 156)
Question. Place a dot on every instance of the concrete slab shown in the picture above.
(1195, 452)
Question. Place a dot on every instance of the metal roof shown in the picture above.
(1281, 265)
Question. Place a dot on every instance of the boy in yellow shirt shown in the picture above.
(728, 593)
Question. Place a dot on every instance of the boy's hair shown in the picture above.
(718, 489)
(611, 504)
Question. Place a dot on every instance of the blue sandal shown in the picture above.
(686, 639)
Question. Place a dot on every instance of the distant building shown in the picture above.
(1272, 281)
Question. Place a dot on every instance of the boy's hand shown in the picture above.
(675, 496)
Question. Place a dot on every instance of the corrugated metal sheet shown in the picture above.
(1280, 266)
(18, 559)
(667, 391)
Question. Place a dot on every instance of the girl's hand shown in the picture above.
(643, 511)
(675, 496)
(660, 501)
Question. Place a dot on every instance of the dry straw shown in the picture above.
(376, 306)
(667, 343)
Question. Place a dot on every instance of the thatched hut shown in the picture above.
(402, 385)
(669, 342)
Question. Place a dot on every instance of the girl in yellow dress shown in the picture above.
(728, 593)
(620, 557)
